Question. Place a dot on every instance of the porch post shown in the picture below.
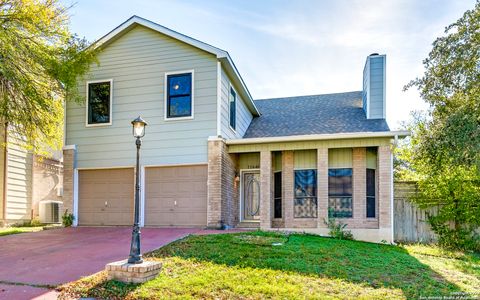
(287, 186)
(322, 183)
(266, 196)
(385, 192)
(359, 185)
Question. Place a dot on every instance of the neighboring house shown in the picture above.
(25, 179)
(214, 157)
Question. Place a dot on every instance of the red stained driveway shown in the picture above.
(58, 256)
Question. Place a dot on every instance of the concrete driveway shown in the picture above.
(57, 256)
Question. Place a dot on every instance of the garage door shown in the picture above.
(105, 197)
(176, 196)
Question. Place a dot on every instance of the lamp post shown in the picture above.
(138, 132)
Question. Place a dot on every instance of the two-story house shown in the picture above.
(214, 157)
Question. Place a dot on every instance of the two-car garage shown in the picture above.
(175, 196)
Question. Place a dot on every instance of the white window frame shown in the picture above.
(165, 92)
(111, 103)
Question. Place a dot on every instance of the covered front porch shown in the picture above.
(299, 185)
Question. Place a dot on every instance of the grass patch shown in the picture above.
(247, 265)
(16, 230)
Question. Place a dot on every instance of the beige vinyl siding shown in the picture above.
(244, 116)
(298, 145)
(249, 161)
(19, 180)
(137, 63)
(277, 161)
(371, 158)
(340, 158)
(305, 159)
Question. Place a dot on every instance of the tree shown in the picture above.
(40, 62)
(444, 149)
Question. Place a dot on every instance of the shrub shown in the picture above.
(337, 230)
(459, 238)
(35, 222)
(67, 219)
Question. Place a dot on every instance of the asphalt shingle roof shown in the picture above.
(316, 114)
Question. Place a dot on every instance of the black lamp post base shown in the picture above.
(135, 257)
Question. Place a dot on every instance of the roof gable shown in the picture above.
(220, 54)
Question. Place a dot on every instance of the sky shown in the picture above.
(297, 47)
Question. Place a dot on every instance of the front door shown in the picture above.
(251, 196)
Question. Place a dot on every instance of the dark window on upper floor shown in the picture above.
(233, 108)
(99, 101)
(179, 95)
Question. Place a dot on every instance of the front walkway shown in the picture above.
(52, 257)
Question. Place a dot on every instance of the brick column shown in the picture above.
(322, 185)
(214, 183)
(287, 184)
(359, 184)
(384, 186)
(266, 196)
(69, 164)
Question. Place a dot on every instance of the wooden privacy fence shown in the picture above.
(410, 222)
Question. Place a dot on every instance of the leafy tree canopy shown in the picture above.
(451, 85)
(40, 62)
(443, 154)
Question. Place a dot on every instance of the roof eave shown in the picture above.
(311, 137)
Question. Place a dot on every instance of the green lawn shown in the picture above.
(248, 266)
(15, 230)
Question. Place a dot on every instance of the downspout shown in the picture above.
(5, 173)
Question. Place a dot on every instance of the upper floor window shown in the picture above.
(179, 96)
(99, 102)
(233, 108)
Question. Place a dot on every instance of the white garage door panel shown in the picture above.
(176, 196)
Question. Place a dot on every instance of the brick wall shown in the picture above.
(384, 186)
(322, 186)
(287, 185)
(266, 189)
(68, 171)
(222, 200)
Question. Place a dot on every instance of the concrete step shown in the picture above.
(248, 225)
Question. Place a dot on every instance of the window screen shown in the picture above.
(340, 193)
(305, 203)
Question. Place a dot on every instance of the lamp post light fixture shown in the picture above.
(138, 132)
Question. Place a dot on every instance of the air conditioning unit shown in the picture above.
(49, 211)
